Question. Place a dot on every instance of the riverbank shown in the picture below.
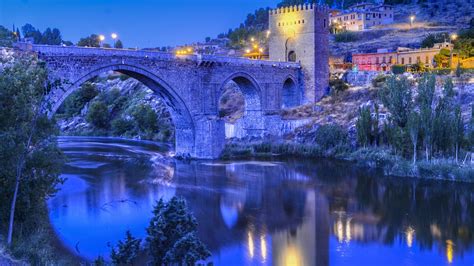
(373, 157)
(40, 246)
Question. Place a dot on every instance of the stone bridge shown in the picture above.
(190, 85)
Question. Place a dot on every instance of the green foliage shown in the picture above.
(430, 40)
(77, 100)
(100, 261)
(331, 136)
(7, 37)
(90, 41)
(379, 81)
(122, 126)
(346, 36)
(49, 36)
(442, 58)
(465, 47)
(364, 126)
(98, 115)
(398, 69)
(414, 131)
(127, 251)
(146, 118)
(171, 236)
(118, 44)
(397, 97)
(338, 85)
(22, 90)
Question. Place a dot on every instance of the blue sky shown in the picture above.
(139, 23)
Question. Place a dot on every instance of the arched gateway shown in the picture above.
(189, 84)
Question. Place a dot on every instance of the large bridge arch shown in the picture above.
(252, 121)
(184, 125)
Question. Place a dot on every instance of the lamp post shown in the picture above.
(412, 19)
(101, 39)
(114, 37)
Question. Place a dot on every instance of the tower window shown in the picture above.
(292, 56)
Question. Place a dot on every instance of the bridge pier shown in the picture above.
(209, 137)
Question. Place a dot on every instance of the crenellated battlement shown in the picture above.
(299, 8)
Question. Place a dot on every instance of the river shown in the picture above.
(278, 212)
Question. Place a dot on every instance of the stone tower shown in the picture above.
(301, 34)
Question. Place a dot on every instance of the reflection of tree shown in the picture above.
(438, 212)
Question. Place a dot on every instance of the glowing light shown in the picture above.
(412, 18)
(255, 46)
(449, 251)
(250, 244)
(190, 50)
(339, 230)
(348, 230)
(252, 39)
(101, 37)
(292, 257)
(260, 50)
(454, 36)
(114, 36)
(263, 247)
(409, 234)
(247, 51)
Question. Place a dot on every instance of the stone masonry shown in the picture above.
(191, 85)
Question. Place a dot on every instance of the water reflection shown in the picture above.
(263, 213)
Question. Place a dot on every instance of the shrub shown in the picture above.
(77, 100)
(120, 126)
(379, 81)
(127, 250)
(146, 118)
(347, 36)
(171, 236)
(331, 136)
(98, 115)
(338, 85)
(398, 69)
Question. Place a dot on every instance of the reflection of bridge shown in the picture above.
(191, 86)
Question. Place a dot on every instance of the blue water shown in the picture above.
(285, 212)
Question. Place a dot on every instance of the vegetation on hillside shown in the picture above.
(111, 112)
(31, 160)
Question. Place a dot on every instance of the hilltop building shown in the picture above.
(301, 34)
(362, 16)
(384, 59)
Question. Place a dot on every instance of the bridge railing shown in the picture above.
(55, 50)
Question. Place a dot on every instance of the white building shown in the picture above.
(362, 16)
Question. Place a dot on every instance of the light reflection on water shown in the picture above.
(262, 213)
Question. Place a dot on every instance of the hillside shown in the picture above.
(430, 18)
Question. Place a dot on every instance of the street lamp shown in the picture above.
(454, 36)
(114, 37)
(101, 39)
(268, 33)
(412, 19)
(252, 39)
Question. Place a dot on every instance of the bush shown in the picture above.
(120, 126)
(77, 100)
(379, 81)
(146, 118)
(338, 85)
(331, 136)
(98, 115)
(171, 236)
(347, 36)
(398, 69)
(127, 250)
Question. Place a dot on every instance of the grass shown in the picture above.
(372, 157)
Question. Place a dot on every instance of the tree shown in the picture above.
(397, 98)
(127, 250)
(442, 58)
(90, 41)
(208, 39)
(171, 233)
(146, 118)
(31, 160)
(458, 130)
(364, 126)
(6, 37)
(118, 44)
(426, 89)
(414, 128)
(98, 115)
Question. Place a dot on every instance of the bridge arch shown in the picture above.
(291, 95)
(252, 121)
(180, 114)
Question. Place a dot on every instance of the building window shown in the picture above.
(409, 60)
(377, 60)
(324, 23)
(383, 60)
(418, 59)
(403, 60)
(292, 56)
(302, 21)
(427, 60)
